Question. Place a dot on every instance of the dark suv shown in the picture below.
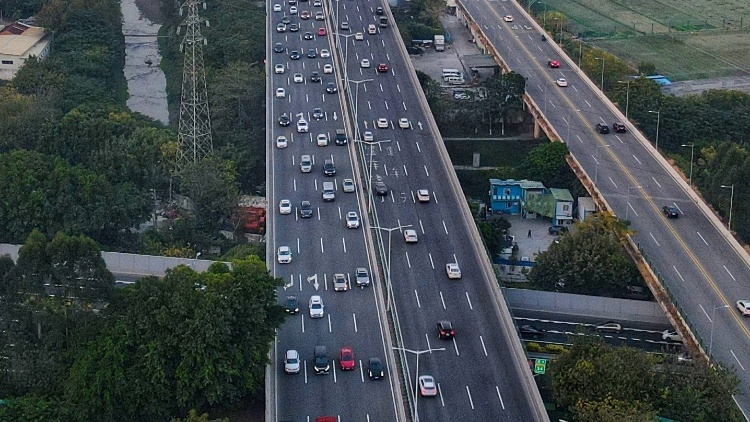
(317, 113)
(328, 168)
(321, 365)
(445, 330)
(284, 120)
(557, 230)
(305, 209)
(315, 77)
(619, 127)
(670, 211)
(602, 128)
(340, 137)
(292, 305)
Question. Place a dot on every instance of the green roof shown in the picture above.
(561, 194)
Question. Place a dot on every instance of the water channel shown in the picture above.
(146, 82)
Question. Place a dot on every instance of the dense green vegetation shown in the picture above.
(598, 382)
(150, 351)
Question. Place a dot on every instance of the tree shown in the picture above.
(188, 341)
(547, 164)
(588, 260)
(493, 232)
(211, 185)
(611, 410)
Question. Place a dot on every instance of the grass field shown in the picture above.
(685, 39)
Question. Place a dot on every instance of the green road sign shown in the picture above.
(540, 366)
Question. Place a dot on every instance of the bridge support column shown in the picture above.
(537, 128)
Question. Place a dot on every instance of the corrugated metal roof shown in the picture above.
(18, 39)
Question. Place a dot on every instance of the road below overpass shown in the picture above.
(696, 258)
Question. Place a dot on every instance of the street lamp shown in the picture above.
(627, 206)
(369, 171)
(692, 151)
(731, 200)
(596, 159)
(627, 97)
(415, 417)
(599, 58)
(658, 119)
(388, 259)
(711, 342)
(356, 103)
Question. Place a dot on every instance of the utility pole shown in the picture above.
(194, 132)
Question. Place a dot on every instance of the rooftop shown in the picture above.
(525, 184)
(19, 39)
(561, 194)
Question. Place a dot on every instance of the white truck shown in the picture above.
(439, 42)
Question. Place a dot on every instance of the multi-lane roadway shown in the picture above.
(703, 270)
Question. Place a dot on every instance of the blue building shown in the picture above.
(510, 196)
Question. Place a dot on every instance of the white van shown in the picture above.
(328, 192)
(451, 72)
(455, 80)
(452, 75)
(371, 29)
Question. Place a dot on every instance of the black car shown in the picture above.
(293, 27)
(278, 47)
(380, 188)
(308, 36)
(331, 88)
(321, 364)
(619, 127)
(557, 230)
(317, 113)
(531, 331)
(375, 369)
(670, 211)
(305, 209)
(315, 77)
(294, 55)
(311, 54)
(445, 330)
(284, 120)
(341, 137)
(328, 168)
(602, 128)
(286, 20)
(292, 305)
(379, 11)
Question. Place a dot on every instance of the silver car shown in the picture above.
(316, 307)
(362, 276)
(339, 283)
(305, 164)
(348, 185)
(291, 362)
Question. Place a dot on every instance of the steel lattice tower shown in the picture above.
(194, 134)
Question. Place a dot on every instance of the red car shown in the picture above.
(304, 15)
(321, 32)
(553, 64)
(382, 68)
(346, 359)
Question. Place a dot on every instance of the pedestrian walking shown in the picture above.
(529, 233)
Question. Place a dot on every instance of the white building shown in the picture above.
(18, 42)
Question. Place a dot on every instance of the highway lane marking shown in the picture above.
(639, 161)
(421, 226)
(294, 185)
(428, 342)
(594, 157)
(426, 172)
(631, 207)
(386, 104)
(430, 255)
(318, 208)
(579, 139)
(483, 347)
(398, 147)
(502, 404)
(298, 245)
(340, 217)
(398, 88)
(587, 103)
(455, 259)
(704, 240)
(322, 250)
(343, 240)
(652, 178)
(416, 295)
(408, 261)
(613, 182)
(354, 318)
(442, 300)
(618, 138)
(730, 274)
(434, 196)
(705, 313)
(406, 173)
(362, 377)
(302, 317)
(333, 365)
(678, 208)
(455, 346)
(655, 241)
(330, 329)
(440, 391)
(445, 228)
(404, 104)
(470, 399)
(369, 105)
(469, 300)
(381, 87)
(735, 358)
(305, 362)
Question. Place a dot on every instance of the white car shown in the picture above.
(327, 68)
(279, 68)
(281, 142)
(281, 27)
(364, 63)
(302, 126)
(339, 283)
(410, 236)
(508, 18)
(316, 307)
(284, 255)
(291, 362)
(320, 16)
(352, 220)
(285, 206)
(453, 271)
(277, 7)
(325, 53)
(744, 307)
(293, 10)
(298, 78)
(423, 195)
(359, 36)
(427, 386)
(367, 136)
(382, 123)
(322, 140)
(403, 123)
(609, 327)
(280, 93)
(348, 185)
(561, 82)
(671, 335)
